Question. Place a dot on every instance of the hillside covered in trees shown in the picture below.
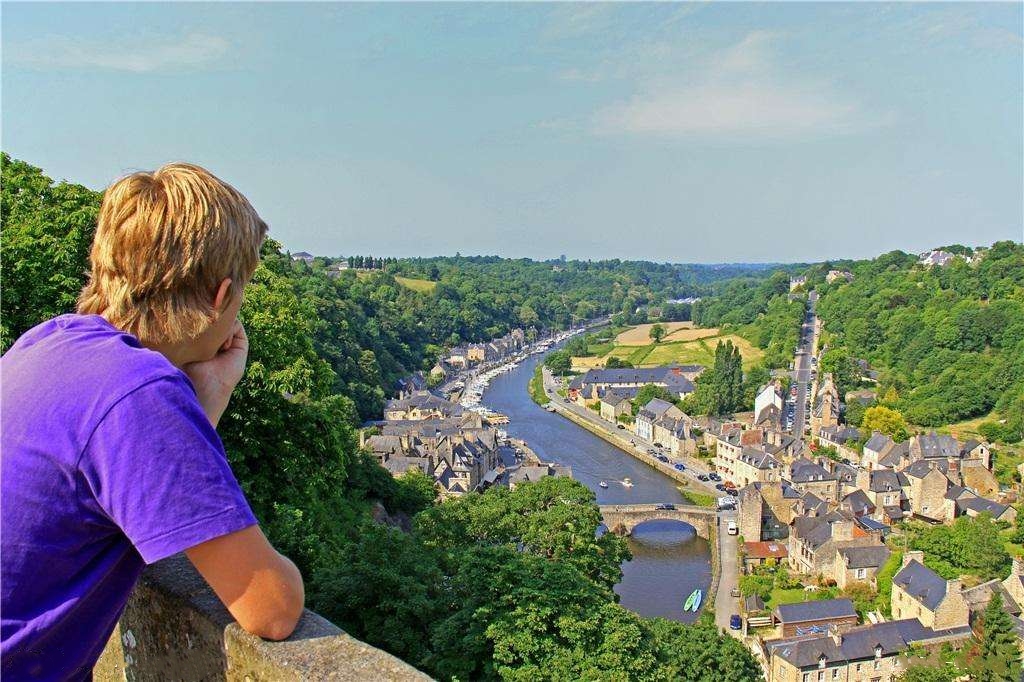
(501, 585)
(948, 342)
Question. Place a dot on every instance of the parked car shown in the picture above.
(714, 477)
(732, 528)
(735, 592)
(703, 477)
(619, 426)
(664, 505)
(662, 458)
(680, 466)
(719, 486)
(735, 622)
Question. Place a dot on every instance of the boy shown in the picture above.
(110, 460)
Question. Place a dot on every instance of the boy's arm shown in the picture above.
(262, 589)
(216, 378)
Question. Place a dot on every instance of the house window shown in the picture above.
(821, 675)
(807, 677)
(861, 573)
(835, 673)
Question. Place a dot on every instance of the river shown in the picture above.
(669, 560)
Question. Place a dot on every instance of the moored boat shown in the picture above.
(603, 484)
(693, 601)
(627, 483)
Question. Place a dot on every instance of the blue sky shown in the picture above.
(668, 132)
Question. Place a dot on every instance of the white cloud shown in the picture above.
(138, 54)
(738, 94)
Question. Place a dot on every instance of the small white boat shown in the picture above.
(627, 483)
(603, 484)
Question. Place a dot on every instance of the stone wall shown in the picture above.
(175, 628)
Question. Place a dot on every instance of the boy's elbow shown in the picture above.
(278, 624)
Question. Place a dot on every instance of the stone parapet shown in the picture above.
(175, 628)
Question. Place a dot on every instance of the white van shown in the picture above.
(732, 529)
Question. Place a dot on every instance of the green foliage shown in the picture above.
(649, 392)
(922, 672)
(951, 339)
(846, 373)
(559, 362)
(46, 231)
(537, 393)
(999, 658)
(885, 420)
(971, 545)
(657, 332)
(883, 579)
(614, 362)
(719, 390)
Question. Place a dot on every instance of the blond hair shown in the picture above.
(164, 242)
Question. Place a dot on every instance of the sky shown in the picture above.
(670, 132)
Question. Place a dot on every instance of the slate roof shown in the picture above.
(923, 467)
(839, 434)
(879, 442)
(865, 557)
(653, 375)
(753, 603)
(616, 396)
(758, 458)
(655, 409)
(981, 504)
(933, 445)
(883, 481)
(805, 471)
(898, 452)
(921, 583)
(819, 609)
(858, 502)
(860, 644)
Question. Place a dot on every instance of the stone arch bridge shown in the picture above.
(623, 518)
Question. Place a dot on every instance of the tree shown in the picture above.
(657, 333)
(558, 362)
(885, 420)
(649, 392)
(614, 362)
(922, 672)
(999, 656)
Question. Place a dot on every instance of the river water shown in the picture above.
(669, 560)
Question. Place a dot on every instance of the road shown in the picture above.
(802, 370)
(625, 440)
(728, 575)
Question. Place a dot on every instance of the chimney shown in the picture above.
(954, 586)
(910, 556)
(837, 637)
(842, 530)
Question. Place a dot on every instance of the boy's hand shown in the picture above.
(216, 378)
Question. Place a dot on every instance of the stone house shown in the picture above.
(817, 615)
(674, 432)
(765, 510)
(421, 405)
(869, 653)
(918, 592)
(815, 540)
(859, 564)
(926, 493)
(615, 404)
(752, 465)
(825, 406)
(757, 553)
(654, 410)
(836, 275)
(809, 476)
(843, 439)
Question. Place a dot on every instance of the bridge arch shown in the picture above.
(623, 518)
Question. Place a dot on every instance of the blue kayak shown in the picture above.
(693, 601)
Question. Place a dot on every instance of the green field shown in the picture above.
(424, 286)
(696, 352)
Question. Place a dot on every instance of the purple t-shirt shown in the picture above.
(108, 463)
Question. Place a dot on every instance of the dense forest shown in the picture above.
(501, 585)
(948, 342)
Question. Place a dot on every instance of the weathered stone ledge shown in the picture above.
(175, 628)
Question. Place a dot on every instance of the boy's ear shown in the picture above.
(223, 295)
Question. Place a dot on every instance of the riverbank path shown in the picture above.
(726, 604)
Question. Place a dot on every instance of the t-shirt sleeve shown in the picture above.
(157, 468)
